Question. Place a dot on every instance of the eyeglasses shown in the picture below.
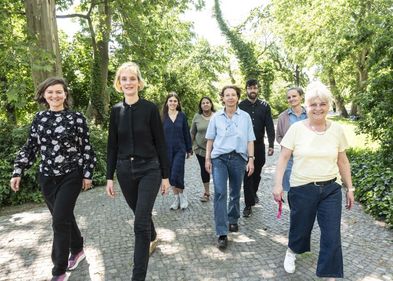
(316, 105)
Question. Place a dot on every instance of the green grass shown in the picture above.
(355, 139)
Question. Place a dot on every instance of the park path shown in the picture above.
(187, 248)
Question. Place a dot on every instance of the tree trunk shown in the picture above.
(99, 98)
(362, 77)
(336, 94)
(42, 31)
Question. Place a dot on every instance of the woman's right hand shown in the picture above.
(14, 183)
(110, 190)
(278, 193)
(208, 166)
(165, 185)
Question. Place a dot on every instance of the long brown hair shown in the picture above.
(165, 106)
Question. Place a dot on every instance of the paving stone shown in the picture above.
(187, 251)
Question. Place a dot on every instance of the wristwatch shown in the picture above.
(251, 157)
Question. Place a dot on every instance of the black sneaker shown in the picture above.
(233, 227)
(247, 212)
(222, 242)
(256, 199)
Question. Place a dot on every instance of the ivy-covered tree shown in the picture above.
(245, 53)
(377, 99)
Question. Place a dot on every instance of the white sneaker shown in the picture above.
(183, 201)
(289, 262)
(176, 203)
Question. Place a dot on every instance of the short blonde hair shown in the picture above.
(134, 68)
(317, 90)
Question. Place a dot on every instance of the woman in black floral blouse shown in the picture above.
(67, 163)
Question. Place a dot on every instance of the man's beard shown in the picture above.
(252, 95)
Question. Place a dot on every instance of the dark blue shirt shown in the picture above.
(177, 133)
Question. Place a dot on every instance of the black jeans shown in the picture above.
(140, 180)
(250, 184)
(205, 176)
(60, 195)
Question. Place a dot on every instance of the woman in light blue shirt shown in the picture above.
(229, 152)
(295, 113)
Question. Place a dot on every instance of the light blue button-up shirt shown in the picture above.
(293, 118)
(230, 134)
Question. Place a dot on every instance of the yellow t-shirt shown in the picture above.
(314, 155)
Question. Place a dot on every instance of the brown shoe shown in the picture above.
(153, 246)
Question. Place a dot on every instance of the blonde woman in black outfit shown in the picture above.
(67, 162)
(137, 151)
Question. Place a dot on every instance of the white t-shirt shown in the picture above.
(314, 155)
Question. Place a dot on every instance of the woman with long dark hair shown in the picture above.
(199, 125)
(178, 141)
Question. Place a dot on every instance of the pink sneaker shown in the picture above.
(74, 260)
(63, 277)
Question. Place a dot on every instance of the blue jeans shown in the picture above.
(324, 202)
(227, 166)
(287, 175)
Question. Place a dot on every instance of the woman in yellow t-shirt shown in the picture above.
(319, 158)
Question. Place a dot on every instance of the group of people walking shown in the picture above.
(147, 151)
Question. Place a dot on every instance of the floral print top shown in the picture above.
(62, 137)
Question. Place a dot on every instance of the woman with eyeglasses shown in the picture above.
(318, 147)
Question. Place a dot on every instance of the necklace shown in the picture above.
(319, 132)
(203, 113)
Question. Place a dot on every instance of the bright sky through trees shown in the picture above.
(205, 25)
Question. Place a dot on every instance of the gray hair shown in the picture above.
(317, 90)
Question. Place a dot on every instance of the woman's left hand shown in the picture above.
(165, 185)
(350, 200)
(87, 184)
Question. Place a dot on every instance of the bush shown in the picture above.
(373, 180)
(12, 139)
(98, 139)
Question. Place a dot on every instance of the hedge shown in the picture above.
(373, 180)
(12, 139)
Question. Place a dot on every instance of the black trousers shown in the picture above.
(251, 183)
(140, 180)
(205, 176)
(60, 195)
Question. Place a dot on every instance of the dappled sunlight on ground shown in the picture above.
(28, 217)
(95, 261)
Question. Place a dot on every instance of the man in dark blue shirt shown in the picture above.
(262, 120)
